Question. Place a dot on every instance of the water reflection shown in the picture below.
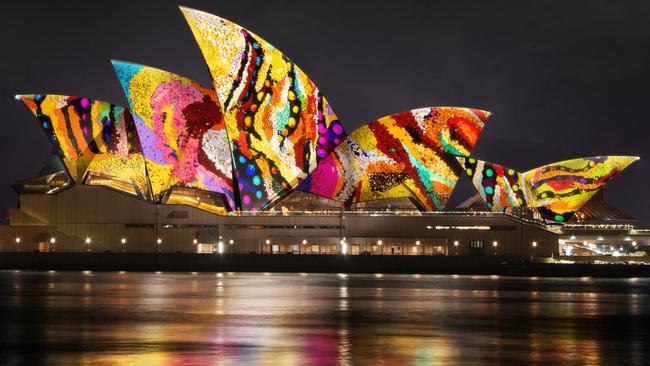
(129, 318)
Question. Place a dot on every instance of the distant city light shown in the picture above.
(417, 242)
(379, 242)
(495, 243)
(159, 241)
(17, 240)
(52, 240)
(534, 244)
(304, 241)
(88, 240)
(633, 243)
(195, 241)
(455, 243)
(344, 247)
(220, 247)
(231, 242)
(572, 237)
(268, 241)
(123, 241)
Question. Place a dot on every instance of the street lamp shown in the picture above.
(344, 247)
(534, 244)
(123, 241)
(268, 242)
(379, 243)
(494, 245)
(158, 241)
(220, 247)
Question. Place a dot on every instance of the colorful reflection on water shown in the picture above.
(118, 318)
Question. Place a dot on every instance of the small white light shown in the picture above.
(633, 243)
(268, 241)
(88, 240)
(572, 237)
(534, 244)
(231, 242)
(455, 243)
(220, 247)
(52, 240)
(304, 241)
(495, 243)
(379, 242)
(123, 241)
(195, 241)
(18, 240)
(17, 96)
(417, 242)
(159, 241)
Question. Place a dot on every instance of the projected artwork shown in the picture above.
(92, 136)
(560, 189)
(499, 186)
(181, 128)
(407, 154)
(280, 126)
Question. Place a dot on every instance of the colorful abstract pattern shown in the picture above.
(560, 189)
(280, 126)
(181, 127)
(499, 186)
(92, 136)
(409, 154)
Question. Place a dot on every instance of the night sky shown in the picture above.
(565, 79)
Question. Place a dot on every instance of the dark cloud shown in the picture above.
(565, 79)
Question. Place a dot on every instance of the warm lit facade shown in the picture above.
(259, 162)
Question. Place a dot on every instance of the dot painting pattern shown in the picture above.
(498, 186)
(91, 136)
(405, 155)
(560, 189)
(181, 127)
(279, 125)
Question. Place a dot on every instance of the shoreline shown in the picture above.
(388, 264)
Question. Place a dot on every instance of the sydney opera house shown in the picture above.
(259, 162)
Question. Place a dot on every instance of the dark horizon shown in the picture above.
(563, 80)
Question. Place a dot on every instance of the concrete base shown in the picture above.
(466, 265)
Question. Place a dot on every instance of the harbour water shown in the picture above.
(172, 318)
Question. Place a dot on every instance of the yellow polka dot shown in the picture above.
(511, 172)
(295, 109)
(469, 171)
(285, 132)
(472, 160)
(515, 187)
(267, 83)
(291, 122)
(292, 95)
(260, 95)
(247, 121)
